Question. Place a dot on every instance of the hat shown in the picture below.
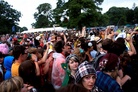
(84, 69)
(97, 39)
(73, 57)
(109, 62)
(8, 62)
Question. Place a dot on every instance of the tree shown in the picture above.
(58, 12)
(78, 12)
(136, 15)
(117, 15)
(130, 16)
(8, 17)
(43, 16)
(103, 20)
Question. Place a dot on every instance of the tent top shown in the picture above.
(45, 29)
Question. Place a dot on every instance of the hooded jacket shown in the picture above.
(7, 65)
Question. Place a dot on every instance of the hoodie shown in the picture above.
(7, 65)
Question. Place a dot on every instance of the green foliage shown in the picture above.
(129, 14)
(43, 16)
(24, 28)
(78, 12)
(122, 16)
(117, 15)
(136, 15)
(8, 17)
(103, 20)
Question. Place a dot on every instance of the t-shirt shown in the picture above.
(14, 69)
(93, 53)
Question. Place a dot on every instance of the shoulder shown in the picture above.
(15, 65)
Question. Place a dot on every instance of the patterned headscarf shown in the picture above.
(84, 69)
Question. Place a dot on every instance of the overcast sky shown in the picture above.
(28, 8)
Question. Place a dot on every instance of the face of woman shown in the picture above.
(88, 81)
(73, 65)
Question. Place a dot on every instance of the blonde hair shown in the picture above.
(80, 54)
(14, 84)
(32, 50)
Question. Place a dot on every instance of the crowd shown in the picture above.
(71, 61)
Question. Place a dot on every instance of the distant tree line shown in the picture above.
(78, 13)
(70, 14)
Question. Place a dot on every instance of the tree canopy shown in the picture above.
(78, 13)
(43, 16)
(121, 15)
(8, 17)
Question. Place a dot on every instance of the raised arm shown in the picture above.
(132, 50)
(45, 55)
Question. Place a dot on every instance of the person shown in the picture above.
(106, 44)
(58, 72)
(88, 48)
(94, 51)
(67, 49)
(7, 65)
(106, 77)
(72, 88)
(47, 67)
(27, 71)
(86, 76)
(14, 84)
(125, 69)
(70, 67)
(61, 37)
(80, 54)
(20, 54)
(4, 51)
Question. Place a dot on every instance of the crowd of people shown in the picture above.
(71, 61)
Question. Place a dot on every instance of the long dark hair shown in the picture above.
(27, 72)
